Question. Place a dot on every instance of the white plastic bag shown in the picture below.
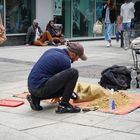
(97, 27)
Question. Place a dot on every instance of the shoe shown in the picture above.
(108, 45)
(74, 96)
(52, 43)
(67, 109)
(34, 103)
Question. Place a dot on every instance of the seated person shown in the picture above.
(58, 37)
(35, 36)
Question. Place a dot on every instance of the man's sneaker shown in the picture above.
(34, 103)
(74, 96)
(67, 109)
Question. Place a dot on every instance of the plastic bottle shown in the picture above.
(111, 101)
(133, 83)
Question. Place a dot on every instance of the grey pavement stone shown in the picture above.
(118, 124)
(116, 136)
(7, 133)
(136, 130)
(65, 131)
(85, 119)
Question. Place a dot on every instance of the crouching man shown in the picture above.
(53, 77)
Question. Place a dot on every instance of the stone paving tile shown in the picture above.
(118, 124)
(7, 133)
(136, 130)
(20, 122)
(85, 119)
(65, 131)
(116, 136)
(133, 116)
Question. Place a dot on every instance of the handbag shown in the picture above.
(3, 38)
(97, 27)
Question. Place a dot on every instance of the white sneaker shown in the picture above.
(108, 45)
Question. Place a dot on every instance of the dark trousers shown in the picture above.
(122, 40)
(120, 35)
(60, 85)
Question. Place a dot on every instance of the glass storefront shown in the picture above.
(18, 15)
(78, 17)
(82, 18)
(2, 9)
(64, 16)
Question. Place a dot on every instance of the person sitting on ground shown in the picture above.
(57, 35)
(35, 36)
(53, 77)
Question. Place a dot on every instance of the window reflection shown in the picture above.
(1, 9)
(83, 18)
(17, 16)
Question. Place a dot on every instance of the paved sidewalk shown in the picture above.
(21, 123)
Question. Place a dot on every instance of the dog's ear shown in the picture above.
(78, 89)
(87, 90)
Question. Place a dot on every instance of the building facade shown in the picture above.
(76, 16)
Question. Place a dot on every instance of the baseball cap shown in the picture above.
(78, 49)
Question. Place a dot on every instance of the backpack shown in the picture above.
(116, 77)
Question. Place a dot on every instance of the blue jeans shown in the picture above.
(127, 26)
(118, 34)
(108, 31)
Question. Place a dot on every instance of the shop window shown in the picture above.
(1, 9)
(62, 15)
(83, 18)
(19, 14)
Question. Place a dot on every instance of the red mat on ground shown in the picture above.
(119, 111)
(11, 103)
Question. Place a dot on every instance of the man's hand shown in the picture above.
(55, 100)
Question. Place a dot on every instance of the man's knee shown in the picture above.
(75, 72)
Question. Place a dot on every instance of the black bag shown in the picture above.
(116, 77)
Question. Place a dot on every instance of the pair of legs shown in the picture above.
(59, 85)
(119, 35)
(126, 34)
(59, 39)
(108, 32)
(41, 41)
